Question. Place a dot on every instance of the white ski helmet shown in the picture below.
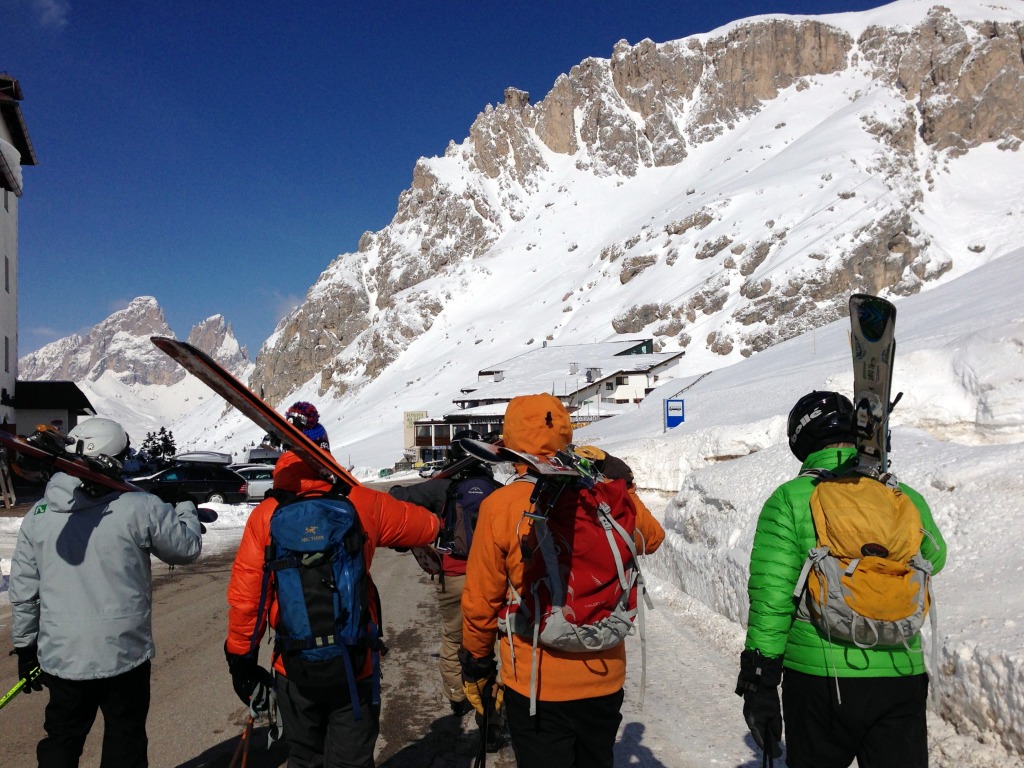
(98, 437)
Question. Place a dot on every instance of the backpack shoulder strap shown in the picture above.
(263, 606)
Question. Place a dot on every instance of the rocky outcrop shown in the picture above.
(966, 80)
(215, 337)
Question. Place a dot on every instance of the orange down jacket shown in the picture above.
(536, 424)
(386, 522)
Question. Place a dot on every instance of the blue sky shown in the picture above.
(218, 155)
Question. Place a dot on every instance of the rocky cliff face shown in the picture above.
(923, 93)
(215, 337)
(120, 345)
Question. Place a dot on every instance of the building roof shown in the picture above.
(565, 370)
(29, 395)
(10, 112)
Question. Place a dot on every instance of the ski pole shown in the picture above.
(18, 686)
(481, 755)
(242, 750)
(767, 761)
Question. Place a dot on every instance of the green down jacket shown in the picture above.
(785, 533)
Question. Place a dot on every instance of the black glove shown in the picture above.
(758, 684)
(28, 668)
(252, 683)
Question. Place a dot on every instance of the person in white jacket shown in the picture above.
(81, 598)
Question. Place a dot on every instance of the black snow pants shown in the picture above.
(71, 711)
(881, 721)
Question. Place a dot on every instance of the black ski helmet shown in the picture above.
(819, 419)
(457, 451)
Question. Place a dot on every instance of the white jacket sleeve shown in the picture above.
(174, 533)
(24, 590)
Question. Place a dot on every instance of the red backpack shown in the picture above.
(582, 586)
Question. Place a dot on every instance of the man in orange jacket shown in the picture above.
(578, 695)
(320, 723)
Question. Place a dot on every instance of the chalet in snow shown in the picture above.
(593, 381)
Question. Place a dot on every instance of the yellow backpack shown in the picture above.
(866, 582)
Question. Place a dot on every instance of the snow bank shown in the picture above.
(958, 437)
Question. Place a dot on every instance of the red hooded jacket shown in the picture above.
(385, 521)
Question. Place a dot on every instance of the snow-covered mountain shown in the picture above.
(719, 193)
(127, 378)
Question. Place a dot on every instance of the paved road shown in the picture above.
(195, 718)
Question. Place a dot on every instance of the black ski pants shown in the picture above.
(71, 711)
(881, 721)
(564, 734)
(320, 726)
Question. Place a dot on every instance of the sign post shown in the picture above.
(674, 414)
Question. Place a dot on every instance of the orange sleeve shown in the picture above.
(389, 522)
(649, 533)
(487, 577)
(247, 580)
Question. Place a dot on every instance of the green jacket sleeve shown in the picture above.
(775, 563)
(933, 548)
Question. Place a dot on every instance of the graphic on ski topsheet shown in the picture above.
(872, 329)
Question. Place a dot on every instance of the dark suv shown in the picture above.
(209, 482)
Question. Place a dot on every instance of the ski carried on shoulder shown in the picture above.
(873, 342)
(69, 463)
(254, 408)
(563, 465)
(86, 469)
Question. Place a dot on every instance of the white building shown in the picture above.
(594, 381)
(15, 151)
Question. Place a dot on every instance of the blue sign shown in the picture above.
(674, 413)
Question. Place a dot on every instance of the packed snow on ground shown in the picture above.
(958, 437)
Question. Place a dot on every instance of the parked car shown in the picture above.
(430, 467)
(203, 482)
(260, 478)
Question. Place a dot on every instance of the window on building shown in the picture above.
(7, 273)
(7, 354)
(622, 380)
(609, 385)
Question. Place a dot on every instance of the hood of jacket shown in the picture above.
(64, 494)
(291, 473)
(537, 424)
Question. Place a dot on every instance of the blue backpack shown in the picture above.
(323, 590)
